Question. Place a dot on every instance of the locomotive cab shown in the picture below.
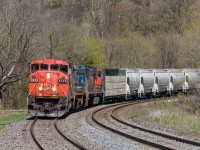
(48, 87)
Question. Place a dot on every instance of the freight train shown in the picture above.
(57, 86)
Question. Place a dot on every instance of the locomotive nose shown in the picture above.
(48, 84)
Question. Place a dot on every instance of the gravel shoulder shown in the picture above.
(77, 126)
(94, 137)
(17, 137)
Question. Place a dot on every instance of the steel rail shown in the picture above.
(114, 116)
(33, 135)
(156, 145)
(68, 139)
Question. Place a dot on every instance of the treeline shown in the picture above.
(107, 33)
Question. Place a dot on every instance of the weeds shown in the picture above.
(181, 113)
(10, 117)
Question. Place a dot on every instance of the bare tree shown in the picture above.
(16, 36)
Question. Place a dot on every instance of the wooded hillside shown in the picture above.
(107, 33)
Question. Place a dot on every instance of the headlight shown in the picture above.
(40, 88)
(53, 89)
(48, 75)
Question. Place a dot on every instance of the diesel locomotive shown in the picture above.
(57, 87)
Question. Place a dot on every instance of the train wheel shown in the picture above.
(91, 99)
(72, 104)
(101, 100)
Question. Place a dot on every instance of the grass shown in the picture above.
(180, 113)
(7, 117)
(180, 122)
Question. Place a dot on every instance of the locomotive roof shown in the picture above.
(47, 61)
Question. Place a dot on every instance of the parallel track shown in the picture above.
(114, 116)
(135, 138)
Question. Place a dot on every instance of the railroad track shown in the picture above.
(38, 143)
(78, 145)
(34, 136)
(156, 135)
(114, 116)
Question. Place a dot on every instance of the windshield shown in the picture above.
(44, 67)
(64, 68)
(34, 67)
(54, 67)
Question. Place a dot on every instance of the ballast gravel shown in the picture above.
(126, 113)
(76, 126)
(95, 138)
(108, 121)
(16, 137)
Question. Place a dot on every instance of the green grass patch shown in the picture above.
(179, 122)
(7, 117)
(180, 113)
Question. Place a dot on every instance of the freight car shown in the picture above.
(57, 87)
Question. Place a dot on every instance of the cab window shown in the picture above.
(54, 67)
(44, 67)
(64, 68)
(99, 74)
(34, 67)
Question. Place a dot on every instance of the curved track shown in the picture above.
(114, 116)
(38, 143)
(33, 135)
(134, 136)
(68, 139)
